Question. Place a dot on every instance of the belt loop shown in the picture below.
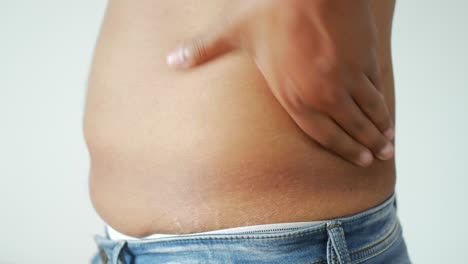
(337, 249)
(117, 257)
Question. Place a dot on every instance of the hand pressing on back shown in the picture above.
(319, 60)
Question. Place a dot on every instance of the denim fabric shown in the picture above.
(372, 236)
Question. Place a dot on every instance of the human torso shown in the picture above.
(211, 148)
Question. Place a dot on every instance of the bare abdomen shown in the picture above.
(211, 148)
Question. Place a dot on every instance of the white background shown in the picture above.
(45, 52)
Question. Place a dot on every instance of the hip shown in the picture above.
(371, 236)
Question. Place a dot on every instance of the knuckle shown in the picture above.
(358, 126)
(381, 95)
(294, 25)
(199, 49)
(330, 140)
(327, 64)
(297, 21)
(383, 122)
(331, 98)
(293, 98)
(372, 104)
(295, 102)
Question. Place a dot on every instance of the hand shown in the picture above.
(319, 60)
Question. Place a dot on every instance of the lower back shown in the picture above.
(210, 148)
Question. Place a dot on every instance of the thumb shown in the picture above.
(201, 49)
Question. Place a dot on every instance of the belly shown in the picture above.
(206, 149)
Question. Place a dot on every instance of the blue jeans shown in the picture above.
(372, 236)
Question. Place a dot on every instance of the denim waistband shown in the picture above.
(349, 239)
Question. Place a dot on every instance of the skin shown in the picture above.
(319, 59)
(212, 147)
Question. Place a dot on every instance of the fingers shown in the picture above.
(202, 49)
(332, 137)
(319, 126)
(357, 125)
(352, 132)
(372, 103)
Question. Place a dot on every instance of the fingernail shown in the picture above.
(386, 152)
(177, 58)
(389, 133)
(365, 158)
